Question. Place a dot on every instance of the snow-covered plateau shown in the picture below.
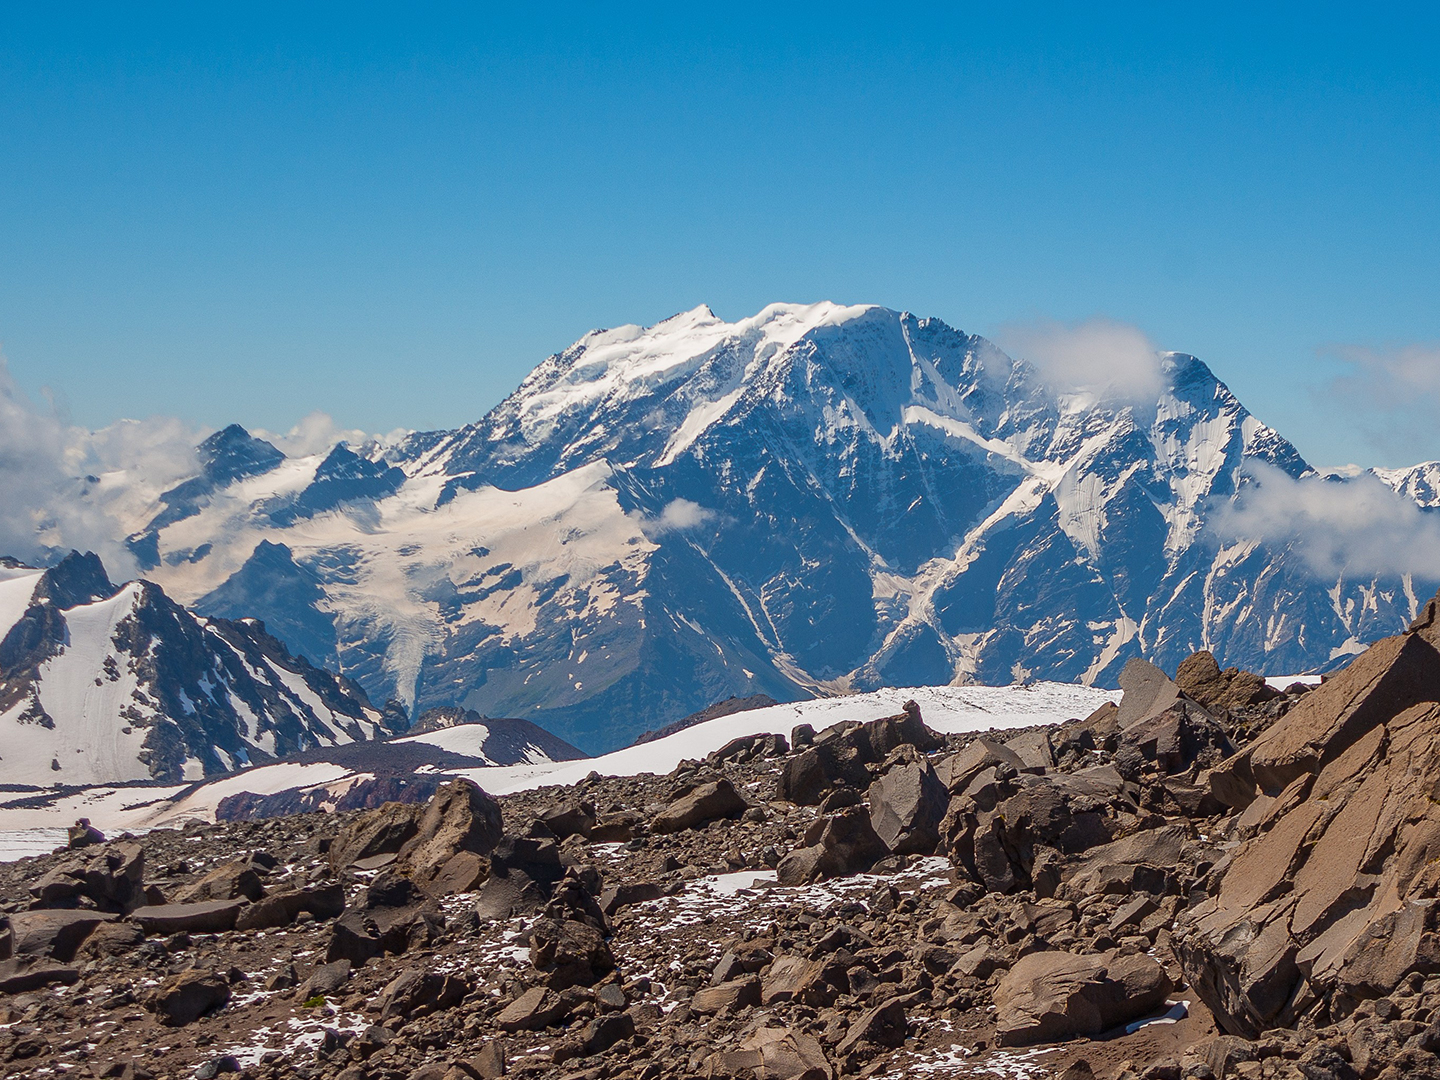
(29, 823)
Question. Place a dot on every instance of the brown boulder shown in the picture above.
(708, 802)
(1148, 692)
(208, 917)
(844, 752)
(522, 875)
(1049, 996)
(414, 994)
(373, 833)
(1033, 750)
(1179, 736)
(182, 999)
(54, 934)
(111, 876)
(568, 953)
(958, 770)
(536, 1008)
(461, 820)
(19, 976)
(1199, 677)
(776, 1053)
(884, 1025)
(907, 805)
(232, 881)
(574, 817)
(835, 846)
(794, 978)
(281, 909)
(729, 996)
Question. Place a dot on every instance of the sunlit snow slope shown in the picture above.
(946, 709)
(100, 683)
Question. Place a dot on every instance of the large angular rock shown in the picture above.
(373, 833)
(536, 1008)
(731, 996)
(1330, 900)
(415, 993)
(19, 977)
(957, 770)
(776, 1053)
(1148, 692)
(794, 978)
(324, 979)
(207, 917)
(884, 1025)
(993, 830)
(569, 953)
(835, 846)
(53, 934)
(708, 802)
(1179, 736)
(236, 880)
(1032, 750)
(523, 875)
(1049, 996)
(111, 876)
(392, 916)
(1199, 677)
(907, 805)
(462, 822)
(1384, 681)
(844, 753)
(574, 817)
(182, 999)
(282, 909)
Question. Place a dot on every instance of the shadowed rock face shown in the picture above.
(1332, 900)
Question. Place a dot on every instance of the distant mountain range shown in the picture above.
(812, 500)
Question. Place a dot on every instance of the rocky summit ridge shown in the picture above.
(1214, 879)
(814, 499)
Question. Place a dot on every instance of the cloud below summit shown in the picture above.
(1109, 359)
(1356, 526)
(53, 483)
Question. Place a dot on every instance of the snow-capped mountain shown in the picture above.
(818, 498)
(102, 683)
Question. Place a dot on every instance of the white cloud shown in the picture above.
(1355, 526)
(317, 433)
(1390, 394)
(677, 516)
(60, 485)
(1099, 356)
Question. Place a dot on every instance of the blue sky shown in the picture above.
(391, 215)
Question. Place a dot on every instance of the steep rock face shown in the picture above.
(814, 498)
(100, 683)
(1332, 900)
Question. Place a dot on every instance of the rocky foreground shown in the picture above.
(1211, 880)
